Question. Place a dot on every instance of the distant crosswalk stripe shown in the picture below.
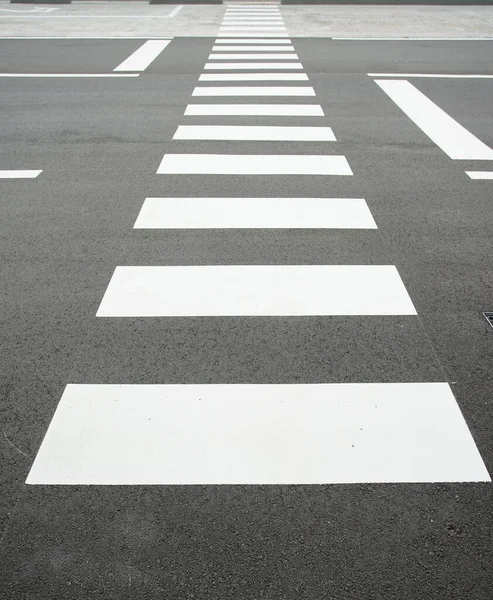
(253, 164)
(253, 48)
(254, 133)
(257, 213)
(257, 434)
(252, 41)
(234, 66)
(229, 34)
(277, 110)
(254, 91)
(253, 77)
(258, 290)
(253, 56)
(480, 174)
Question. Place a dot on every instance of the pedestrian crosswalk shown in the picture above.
(244, 433)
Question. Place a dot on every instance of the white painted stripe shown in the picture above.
(143, 56)
(450, 136)
(414, 39)
(255, 213)
(257, 19)
(253, 49)
(277, 110)
(19, 174)
(431, 75)
(253, 35)
(253, 77)
(257, 434)
(234, 66)
(69, 75)
(254, 91)
(253, 164)
(259, 29)
(253, 56)
(258, 290)
(252, 41)
(256, 133)
(480, 174)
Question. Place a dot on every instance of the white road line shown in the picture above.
(69, 75)
(480, 174)
(259, 110)
(252, 35)
(253, 49)
(253, 56)
(431, 75)
(253, 77)
(255, 213)
(413, 39)
(19, 174)
(143, 56)
(255, 133)
(252, 41)
(257, 434)
(93, 37)
(175, 11)
(254, 91)
(234, 66)
(258, 290)
(259, 29)
(253, 164)
(443, 130)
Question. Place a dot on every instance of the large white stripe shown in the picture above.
(19, 174)
(253, 56)
(253, 77)
(144, 56)
(259, 290)
(255, 213)
(480, 174)
(252, 41)
(257, 434)
(450, 136)
(253, 164)
(254, 91)
(254, 133)
(252, 35)
(234, 66)
(253, 49)
(278, 110)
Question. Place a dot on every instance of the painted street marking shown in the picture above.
(253, 56)
(456, 141)
(19, 174)
(69, 75)
(255, 213)
(254, 133)
(252, 49)
(175, 11)
(255, 290)
(414, 39)
(259, 110)
(254, 91)
(250, 34)
(251, 66)
(255, 434)
(253, 77)
(252, 41)
(480, 174)
(431, 75)
(253, 164)
(143, 56)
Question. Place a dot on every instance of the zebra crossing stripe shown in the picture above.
(254, 91)
(255, 66)
(257, 434)
(253, 56)
(275, 110)
(254, 133)
(253, 77)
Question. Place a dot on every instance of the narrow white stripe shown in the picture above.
(69, 75)
(253, 41)
(258, 28)
(19, 174)
(480, 174)
(450, 136)
(233, 66)
(253, 49)
(253, 35)
(253, 77)
(277, 110)
(253, 164)
(253, 56)
(257, 434)
(143, 56)
(431, 75)
(256, 213)
(414, 39)
(254, 133)
(254, 91)
(257, 19)
(259, 290)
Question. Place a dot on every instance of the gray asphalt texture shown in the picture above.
(99, 143)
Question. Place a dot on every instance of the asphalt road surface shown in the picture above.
(243, 349)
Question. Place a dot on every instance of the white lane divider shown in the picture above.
(257, 434)
(253, 164)
(253, 77)
(20, 174)
(454, 139)
(258, 290)
(255, 213)
(273, 133)
(143, 56)
(254, 91)
(258, 110)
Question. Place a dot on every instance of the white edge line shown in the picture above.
(100, 75)
(430, 75)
